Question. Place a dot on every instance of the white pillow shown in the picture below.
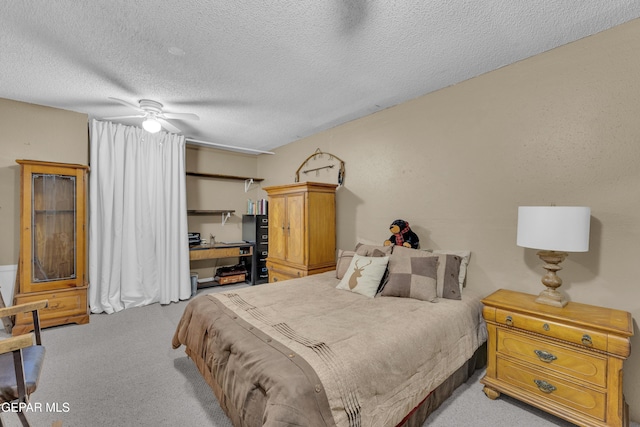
(364, 275)
(344, 260)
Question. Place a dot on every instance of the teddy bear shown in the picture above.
(402, 235)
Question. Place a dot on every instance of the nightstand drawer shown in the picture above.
(545, 386)
(581, 365)
(583, 337)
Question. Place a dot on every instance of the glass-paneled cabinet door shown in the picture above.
(52, 221)
(53, 218)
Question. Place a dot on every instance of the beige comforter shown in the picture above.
(367, 361)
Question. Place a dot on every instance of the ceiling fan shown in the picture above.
(154, 118)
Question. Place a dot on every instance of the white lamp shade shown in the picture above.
(554, 228)
(151, 125)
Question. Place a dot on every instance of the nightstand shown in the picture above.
(565, 361)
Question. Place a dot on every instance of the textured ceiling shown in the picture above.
(263, 74)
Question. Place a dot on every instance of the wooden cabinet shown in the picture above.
(52, 260)
(566, 361)
(302, 230)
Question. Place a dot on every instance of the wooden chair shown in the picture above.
(20, 362)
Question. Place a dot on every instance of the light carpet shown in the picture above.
(120, 370)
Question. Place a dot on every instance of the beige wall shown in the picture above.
(33, 132)
(559, 128)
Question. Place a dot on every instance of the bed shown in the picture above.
(314, 352)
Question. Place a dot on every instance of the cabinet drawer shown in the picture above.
(581, 336)
(278, 273)
(219, 252)
(62, 303)
(545, 386)
(276, 276)
(581, 365)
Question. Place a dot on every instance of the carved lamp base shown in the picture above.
(551, 296)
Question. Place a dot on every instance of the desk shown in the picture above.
(220, 250)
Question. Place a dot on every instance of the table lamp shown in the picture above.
(555, 230)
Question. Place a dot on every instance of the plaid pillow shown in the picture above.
(448, 270)
(412, 277)
(464, 262)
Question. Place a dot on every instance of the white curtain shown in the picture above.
(138, 242)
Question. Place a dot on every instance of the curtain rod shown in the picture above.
(225, 147)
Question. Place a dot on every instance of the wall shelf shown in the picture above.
(247, 179)
(220, 176)
(209, 212)
(226, 213)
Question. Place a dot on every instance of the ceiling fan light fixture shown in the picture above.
(151, 125)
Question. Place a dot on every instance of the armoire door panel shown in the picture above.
(322, 214)
(277, 227)
(295, 229)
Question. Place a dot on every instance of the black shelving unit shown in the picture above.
(255, 229)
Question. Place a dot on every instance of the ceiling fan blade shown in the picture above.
(181, 116)
(128, 104)
(168, 126)
(124, 117)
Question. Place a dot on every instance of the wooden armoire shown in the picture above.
(52, 258)
(302, 230)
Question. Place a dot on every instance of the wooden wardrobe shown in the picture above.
(302, 230)
(52, 260)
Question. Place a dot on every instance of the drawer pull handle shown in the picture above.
(545, 356)
(509, 321)
(586, 340)
(545, 326)
(544, 386)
